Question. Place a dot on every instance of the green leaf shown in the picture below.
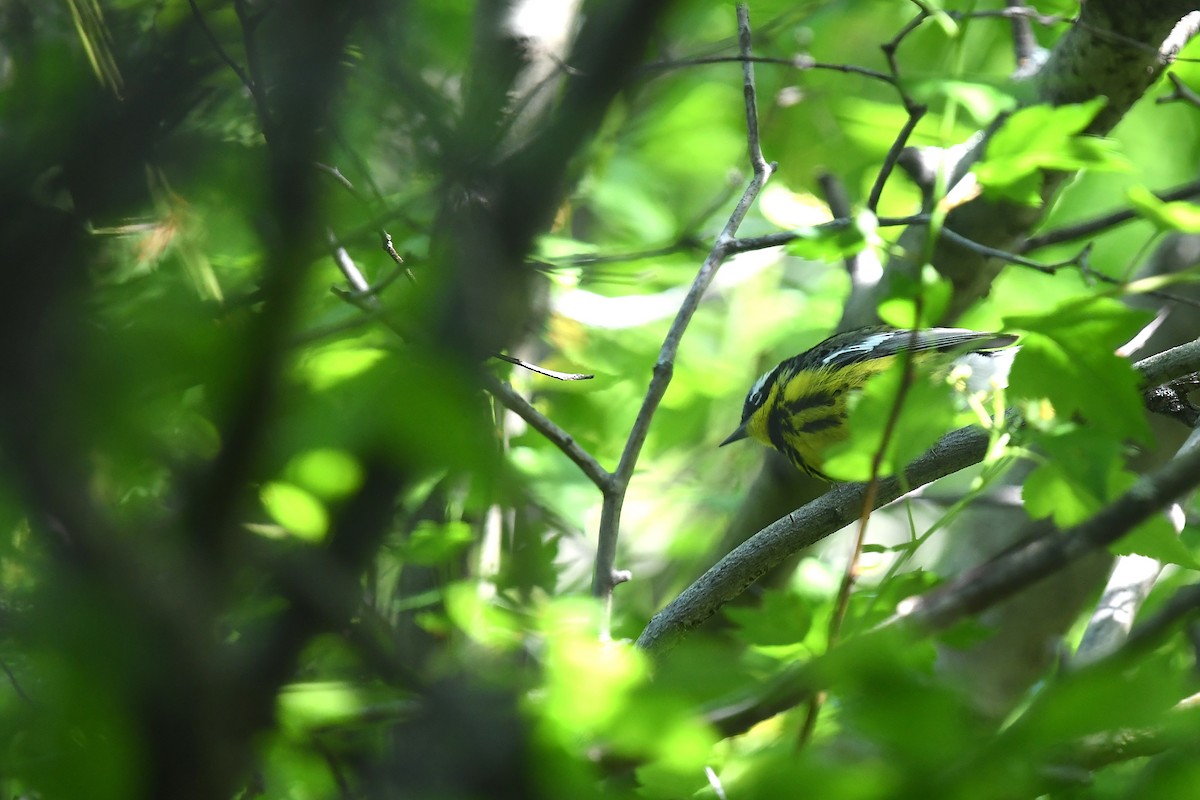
(831, 241)
(983, 101)
(1176, 216)
(783, 618)
(326, 472)
(901, 310)
(1156, 539)
(296, 510)
(1081, 472)
(436, 543)
(329, 366)
(1068, 357)
(1044, 137)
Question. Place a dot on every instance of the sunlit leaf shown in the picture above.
(834, 240)
(1156, 538)
(296, 510)
(1179, 215)
(1043, 137)
(326, 472)
(1068, 356)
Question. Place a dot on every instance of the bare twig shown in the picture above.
(350, 270)
(1024, 45)
(222, 53)
(390, 249)
(549, 373)
(915, 112)
(251, 78)
(556, 435)
(800, 62)
(12, 679)
(1182, 92)
(605, 576)
(256, 84)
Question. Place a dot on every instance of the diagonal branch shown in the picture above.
(605, 577)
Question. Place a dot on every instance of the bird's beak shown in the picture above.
(736, 436)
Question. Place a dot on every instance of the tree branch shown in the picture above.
(803, 527)
(604, 577)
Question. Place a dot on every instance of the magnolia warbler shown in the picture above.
(799, 407)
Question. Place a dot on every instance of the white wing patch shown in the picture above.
(862, 346)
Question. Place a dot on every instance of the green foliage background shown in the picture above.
(190, 604)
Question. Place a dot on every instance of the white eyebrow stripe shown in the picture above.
(866, 345)
(758, 384)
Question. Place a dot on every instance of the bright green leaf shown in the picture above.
(326, 472)
(329, 366)
(587, 680)
(834, 240)
(296, 510)
(1177, 216)
(1043, 137)
(436, 542)
(1156, 539)
(1080, 474)
(1067, 356)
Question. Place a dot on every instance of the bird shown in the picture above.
(799, 407)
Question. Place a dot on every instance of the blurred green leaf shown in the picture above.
(296, 510)
(326, 472)
(833, 240)
(1179, 215)
(1043, 137)
(1156, 538)
(436, 542)
(782, 618)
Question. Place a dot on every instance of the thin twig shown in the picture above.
(549, 373)
(337, 175)
(890, 47)
(556, 435)
(222, 53)
(255, 85)
(915, 112)
(605, 577)
(1182, 93)
(800, 62)
(15, 683)
(1024, 44)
